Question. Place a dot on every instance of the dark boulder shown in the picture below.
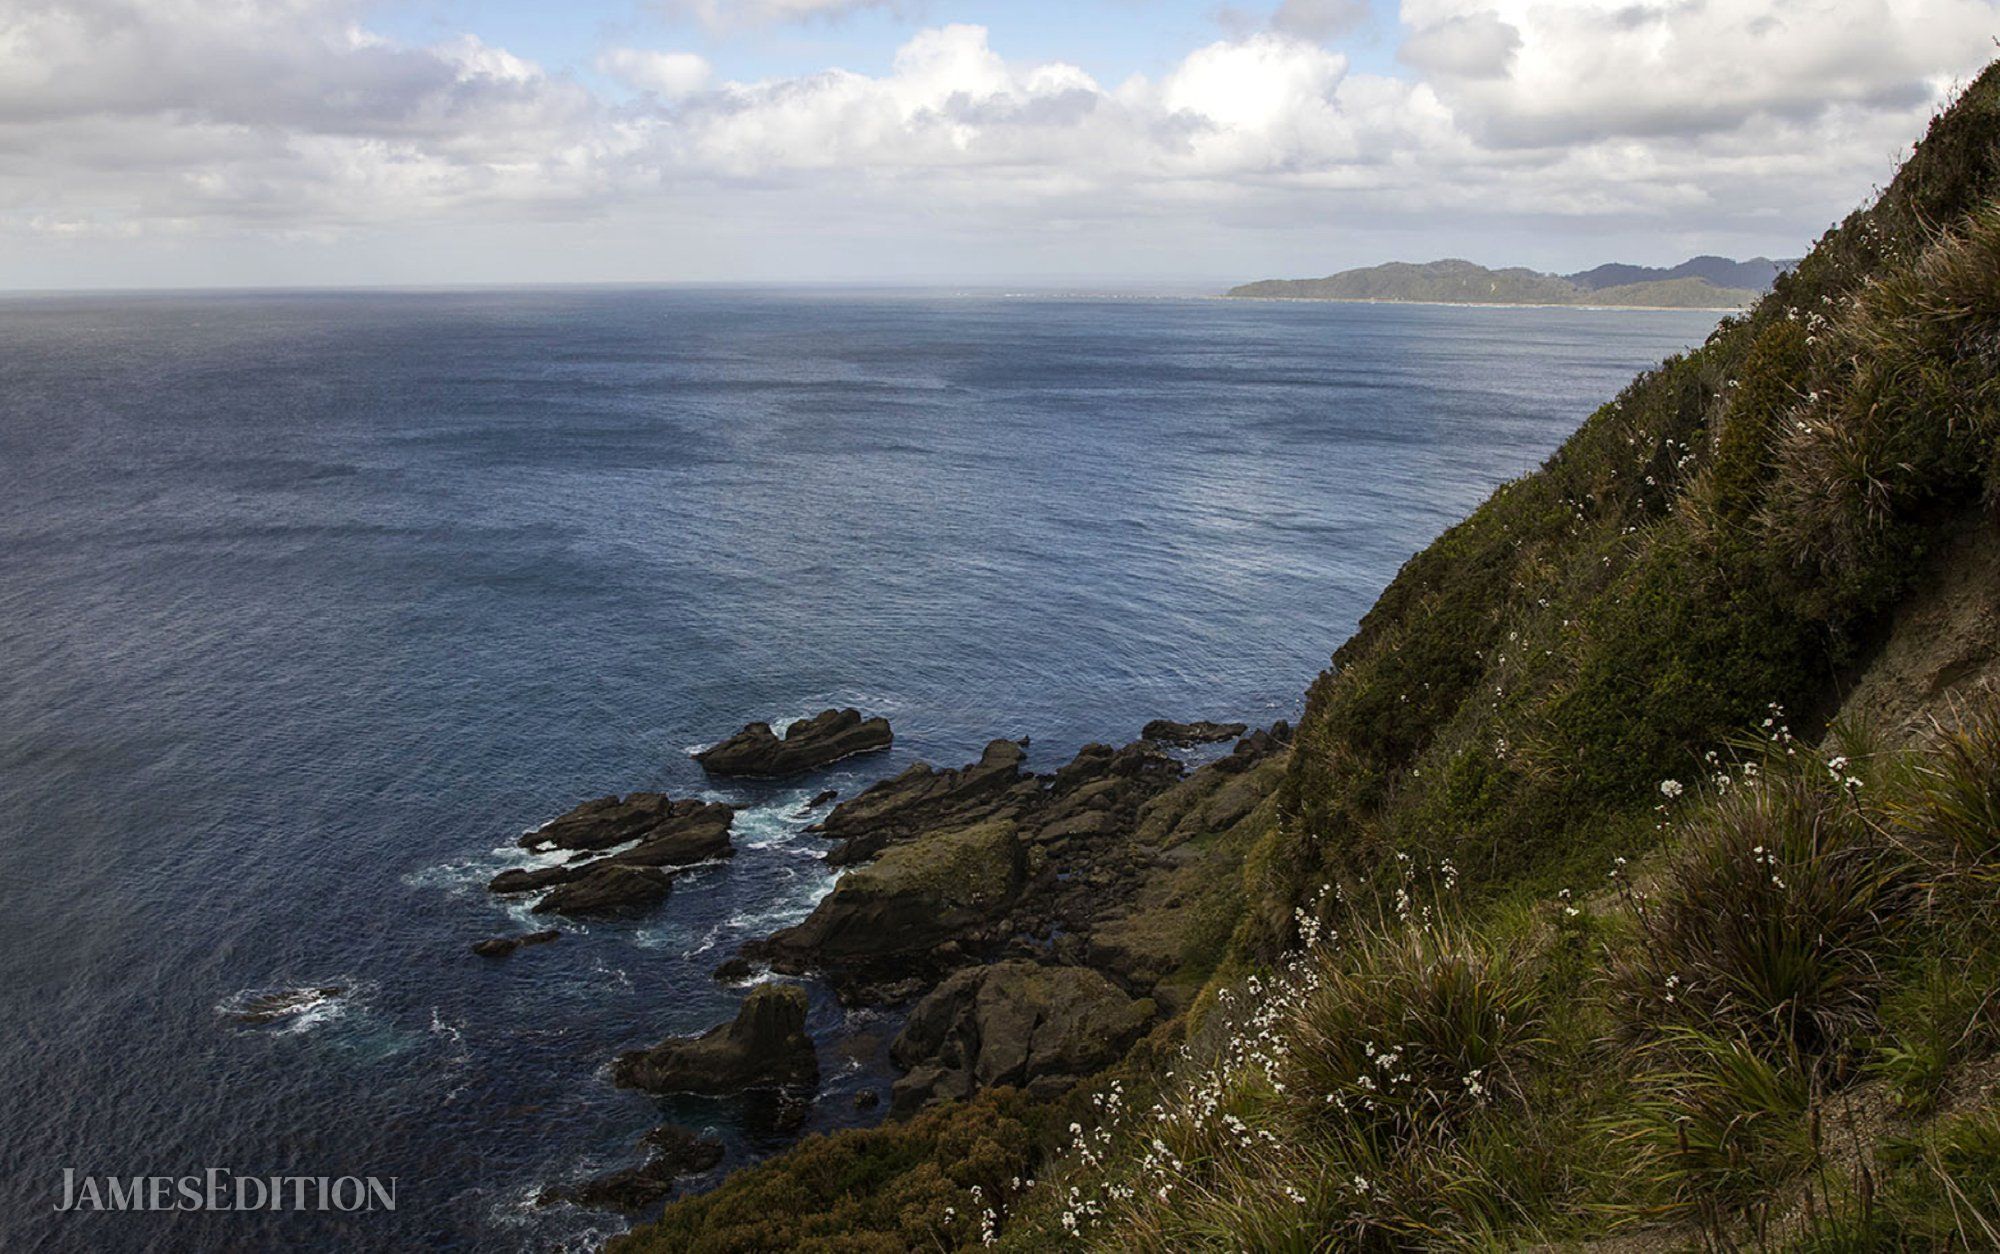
(756, 752)
(764, 1046)
(662, 832)
(1257, 746)
(609, 888)
(823, 798)
(733, 971)
(685, 836)
(1167, 732)
(598, 824)
(523, 880)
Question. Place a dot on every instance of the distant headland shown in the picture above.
(1699, 283)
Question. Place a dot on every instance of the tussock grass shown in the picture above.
(1953, 803)
(1773, 918)
(1410, 1030)
(1717, 1119)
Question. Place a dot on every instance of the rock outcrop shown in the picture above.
(641, 816)
(609, 888)
(672, 1152)
(923, 799)
(1167, 732)
(1034, 1027)
(888, 919)
(985, 863)
(764, 1046)
(660, 831)
(756, 752)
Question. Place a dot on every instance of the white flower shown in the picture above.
(1671, 789)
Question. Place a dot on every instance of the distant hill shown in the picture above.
(1756, 274)
(1702, 283)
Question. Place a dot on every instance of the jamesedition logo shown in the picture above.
(218, 1188)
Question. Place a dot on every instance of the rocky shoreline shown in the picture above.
(1031, 927)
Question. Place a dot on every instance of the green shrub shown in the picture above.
(899, 1187)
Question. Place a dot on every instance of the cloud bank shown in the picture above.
(290, 119)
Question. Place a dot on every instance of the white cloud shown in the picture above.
(1583, 70)
(1469, 45)
(671, 74)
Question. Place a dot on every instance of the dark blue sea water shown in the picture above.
(309, 604)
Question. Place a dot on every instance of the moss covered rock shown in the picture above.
(1034, 1027)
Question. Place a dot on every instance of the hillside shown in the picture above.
(1629, 881)
(1756, 274)
(1460, 282)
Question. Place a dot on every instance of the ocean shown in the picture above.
(311, 603)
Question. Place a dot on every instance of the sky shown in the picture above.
(178, 143)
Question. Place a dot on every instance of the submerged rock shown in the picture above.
(764, 1046)
(1035, 1027)
(501, 946)
(673, 1152)
(756, 752)
(1166, 731)
(271, 1007)
(609, 888)
(733, 971)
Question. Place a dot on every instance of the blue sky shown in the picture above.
(1082, 142)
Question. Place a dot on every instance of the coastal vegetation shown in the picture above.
(1630, 876)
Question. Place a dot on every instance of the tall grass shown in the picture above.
(1773, 918)
(1721, 1120)
(1952, 804)
(1411, 1029)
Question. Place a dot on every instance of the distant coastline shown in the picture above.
(1702, 283)
(1480, 304)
